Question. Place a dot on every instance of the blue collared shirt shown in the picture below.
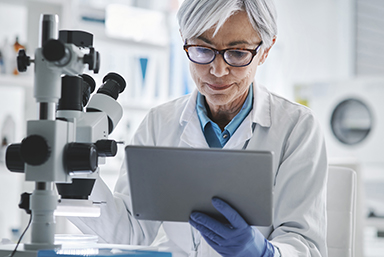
(212, 132)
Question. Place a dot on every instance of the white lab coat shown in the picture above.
(288, 129)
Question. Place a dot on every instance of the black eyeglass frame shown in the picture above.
(221, 52)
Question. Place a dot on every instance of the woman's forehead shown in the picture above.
(236, 30)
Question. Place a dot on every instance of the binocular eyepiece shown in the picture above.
(76, 90)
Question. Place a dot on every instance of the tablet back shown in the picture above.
(167, 183)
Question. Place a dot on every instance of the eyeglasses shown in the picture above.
(236, 57)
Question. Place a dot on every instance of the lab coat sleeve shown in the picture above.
(116, 225)
(300, 192)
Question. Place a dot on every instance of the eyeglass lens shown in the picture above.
(205, 55)
(201, 54)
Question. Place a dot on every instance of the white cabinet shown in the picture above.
(12, 105)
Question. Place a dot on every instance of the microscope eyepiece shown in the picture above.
(88, 87)
(90, 82)
(113, 85)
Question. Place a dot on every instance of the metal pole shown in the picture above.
(43, 201)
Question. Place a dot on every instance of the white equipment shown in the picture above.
(65, 144)
(350, 114)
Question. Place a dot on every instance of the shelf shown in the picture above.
(23, 80)
(98, 30)
(24, 2)
(377, 222)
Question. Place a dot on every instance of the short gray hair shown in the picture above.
(197, 16)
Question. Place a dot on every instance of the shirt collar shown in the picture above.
(202, 110)
(235, 122)
(245, 110)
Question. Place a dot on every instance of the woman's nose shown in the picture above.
(219, 67)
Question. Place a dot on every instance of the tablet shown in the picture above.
(169, 183)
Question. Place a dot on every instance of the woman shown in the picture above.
(226, 41)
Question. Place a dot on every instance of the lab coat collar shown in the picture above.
(261, 112)
(189, 109)
(192, 135)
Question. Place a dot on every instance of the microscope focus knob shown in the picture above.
(35, 150)
(106, 148)
(81, 158)
(53, 50)
(23, 61)
(93, 60)
(13, 158)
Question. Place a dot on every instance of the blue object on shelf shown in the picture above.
(143, 65)
(102, 252)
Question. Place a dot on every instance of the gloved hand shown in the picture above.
(234, 239)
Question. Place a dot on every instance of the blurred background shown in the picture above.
(328, 56)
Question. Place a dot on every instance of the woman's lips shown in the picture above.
(218, 86)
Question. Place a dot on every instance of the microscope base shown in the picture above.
(6, 250)
(36, 247)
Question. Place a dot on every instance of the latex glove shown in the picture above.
(234, 239)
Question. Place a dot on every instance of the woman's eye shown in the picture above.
(237, 54)
(203, 51)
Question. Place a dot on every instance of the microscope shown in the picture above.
(68, 141)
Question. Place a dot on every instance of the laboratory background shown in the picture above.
(329, 56)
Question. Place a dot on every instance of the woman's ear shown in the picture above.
(266, 52)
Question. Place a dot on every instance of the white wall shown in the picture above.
(11, 127)
(314, 43)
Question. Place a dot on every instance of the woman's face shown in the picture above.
(226, 87)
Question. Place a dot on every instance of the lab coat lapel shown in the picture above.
(242, 134)
(261, 111)
(259, 116)
(192, 135)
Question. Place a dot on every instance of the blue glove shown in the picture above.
(234, 239)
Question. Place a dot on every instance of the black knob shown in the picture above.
(106, 148)
(53, 50)
(13, 158)
(23, 61)
(81, 157)
(34, 150)
(24, 202)
(93, 60)
(97, 65)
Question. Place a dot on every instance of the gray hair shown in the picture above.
(197, 16)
